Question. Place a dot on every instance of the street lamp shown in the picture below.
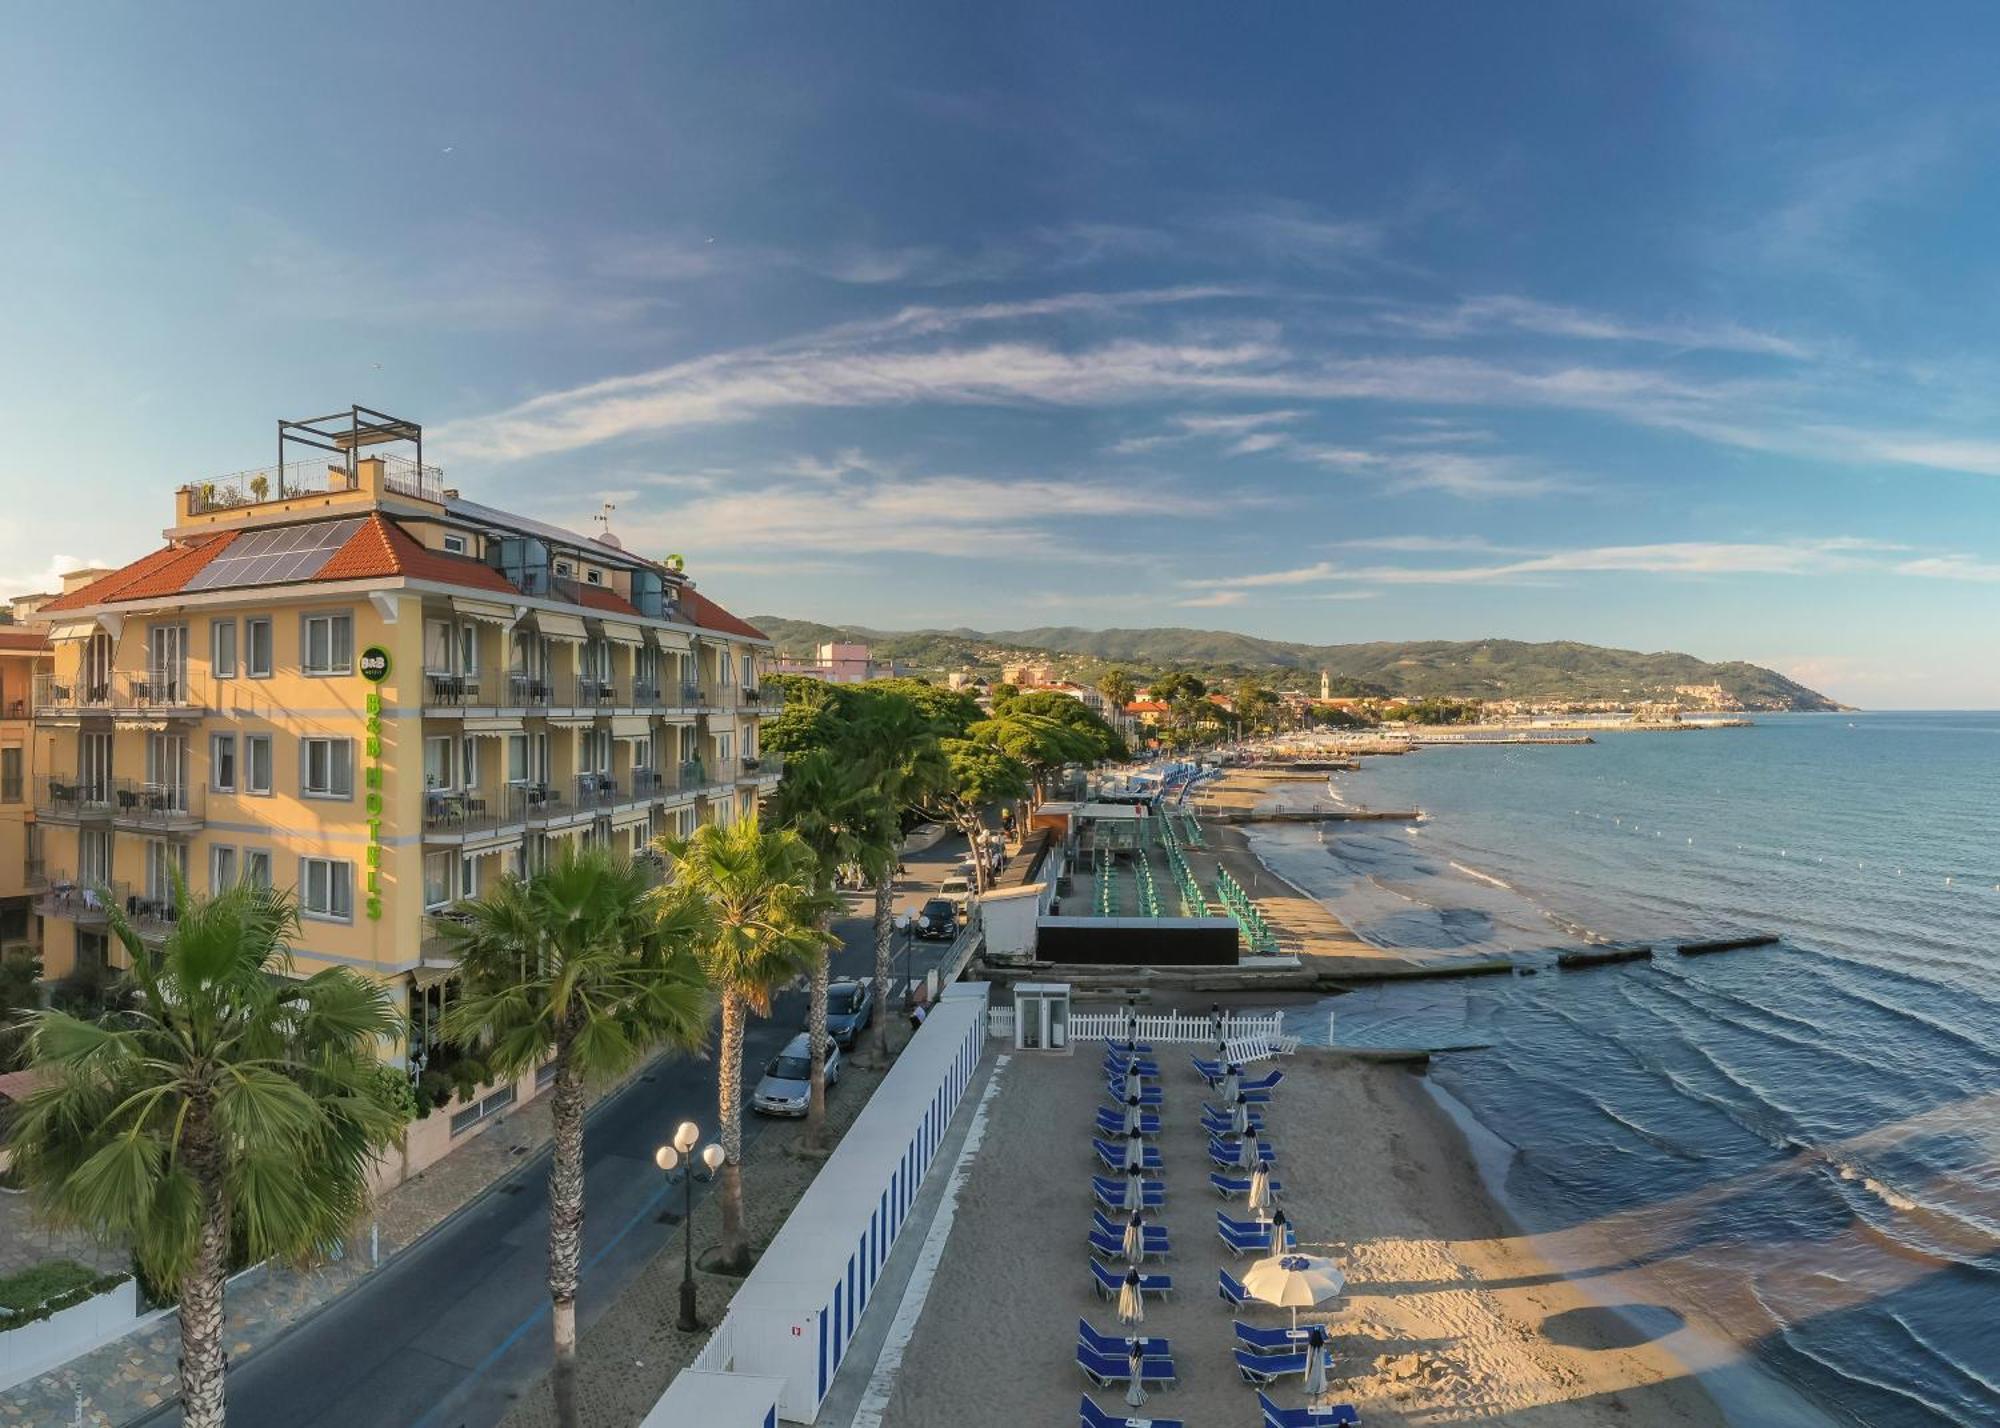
(668, 1157)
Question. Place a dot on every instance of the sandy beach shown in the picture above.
(1451, 1316)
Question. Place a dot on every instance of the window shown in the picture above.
(722, 750)
(10, 774)
(257, 647)
(468, 648)
(328, 644)
(326, 889)
(437, 880)
(593, 577)
(517, 758)
(565, 569)
(437, 762)
(221, 869)
(468, 762)
(222, 762)
(437, 646)
(257, 748)
(454, 544)
(257, 867)
(222, 648)
(326, 768)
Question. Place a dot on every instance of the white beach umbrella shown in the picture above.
(1133, 1115)
(1260, 1190)
(1232, 1083)
(1135, 1187)
(1135, 1391)
(1135, 1152)
(1131, 1082)
(1241, 1116)
(1294, 1281)
(1131, 1303)
(1246, 1152)
(1135, 1240)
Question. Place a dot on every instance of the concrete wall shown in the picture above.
(33, 1348)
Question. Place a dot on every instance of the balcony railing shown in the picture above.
(692, 694)
(765, 698)
(593, 692)
(646, 693)
(456, 689)
(86, 903)
(153, 915)
(156, 807)
(153, 692)
(762, 766)
(68, 799)
(474, 810)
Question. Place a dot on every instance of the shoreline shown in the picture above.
(1742, 1390)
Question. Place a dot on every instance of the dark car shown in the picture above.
(938, 921)
(850, 1006)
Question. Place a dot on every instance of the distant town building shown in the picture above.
(1028, 676)
(839, 664)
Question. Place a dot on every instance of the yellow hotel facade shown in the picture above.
(341, 677)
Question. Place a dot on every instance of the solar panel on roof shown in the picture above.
(275, 556)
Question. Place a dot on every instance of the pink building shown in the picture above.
(838, 664)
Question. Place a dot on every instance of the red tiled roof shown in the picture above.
(31, 640)
(164, 572)
(381, 547)
(711, 616)
(596, 597)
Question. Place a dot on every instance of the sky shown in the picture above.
(1665, 327)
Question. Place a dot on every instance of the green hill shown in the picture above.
(1485, 669)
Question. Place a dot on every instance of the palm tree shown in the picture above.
(573, 967)
(821, 802)
(755, 893)
(899, 749)
(233, 1103)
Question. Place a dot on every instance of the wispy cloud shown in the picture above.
(1481, 316)
(46, 579)
(1214, 599)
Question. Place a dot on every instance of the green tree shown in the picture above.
(234, 1100)
(978, 775)
(1257, 708)
(753, 893)
(1117, 688)
(573, 967)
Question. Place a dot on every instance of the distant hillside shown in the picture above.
(1489, 669)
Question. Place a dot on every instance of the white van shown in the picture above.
(958, 887)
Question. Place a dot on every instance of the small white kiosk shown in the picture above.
(1041, 1016)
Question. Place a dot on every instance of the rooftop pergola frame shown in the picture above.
(346, 433)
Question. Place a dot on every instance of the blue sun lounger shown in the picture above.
(1269, 1368)
(1109, 1281)
(1221, 1113)
(1327, 1415)
(1230, 1186)
(1116, 1065)
(1224, 1155)
(1271, 1341)
(1112, 1122)
(1104, 1223)
(1107, 1369)
(1149, 1096)
(1267, 1082)
(1251, 1240)
(1114, 1155)
(1232, 1291)
(1089, 1415)
(1087, 1335)
(1112, 1246)
(1226, 1125)
(1109, 1191)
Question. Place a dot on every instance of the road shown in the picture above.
(449, 1333)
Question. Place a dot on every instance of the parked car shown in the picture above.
(958, 888)
(850, 1006)
(937, 921)
(786, 1086)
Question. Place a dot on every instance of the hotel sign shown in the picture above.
(372, 778)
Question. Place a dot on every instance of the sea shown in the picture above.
(1798, 1145)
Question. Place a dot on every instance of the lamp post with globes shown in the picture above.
(668, 1157)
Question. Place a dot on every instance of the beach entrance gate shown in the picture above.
(1041, 1016)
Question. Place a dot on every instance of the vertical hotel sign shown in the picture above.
(374, 669)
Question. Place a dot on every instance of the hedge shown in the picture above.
(49, 1288)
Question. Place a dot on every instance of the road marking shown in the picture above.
(889, 1362)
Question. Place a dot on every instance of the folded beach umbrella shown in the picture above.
(1232, 1084)
(1132, 1082)
(1133, 1116)
(1135, 1151)
(1246, 1152)
(1135, 1391)
(1241, 1115)
(1315, 1384)
(1135, 1240)
(1135, 1181)
(1294, 1282)
(1131, 1303)
(1260, 1189)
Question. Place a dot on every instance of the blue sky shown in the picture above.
(1665, 327)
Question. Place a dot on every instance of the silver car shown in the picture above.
(786, 1086)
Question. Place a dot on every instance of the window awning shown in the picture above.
(493, 727)
(619, 634)
(492, 614)
(424, 976)
(491, 848)
(571, 721)
(672, 640)
(561, 627)
(632, 727)
(630, 817)
(72, 630)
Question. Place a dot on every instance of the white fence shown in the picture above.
(1180, 1027)
(791, 1321)
(34, 1348)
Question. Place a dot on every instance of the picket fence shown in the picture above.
(1178, 1027)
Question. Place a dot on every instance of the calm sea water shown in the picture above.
(1802, 1141)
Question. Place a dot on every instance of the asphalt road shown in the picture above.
(452, 1331)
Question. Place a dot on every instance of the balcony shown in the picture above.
(87, 904)
(156, 693)
(156, 807)
(152, 916)
(64, 798)
(766, 699)
(692, 694)
(595, 693)
(453, 689)
(699, 778)
(456, 813)
(646, 694)
(759, 767)
(438, 944)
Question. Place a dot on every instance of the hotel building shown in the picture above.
(342, 677)
(23, 655)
